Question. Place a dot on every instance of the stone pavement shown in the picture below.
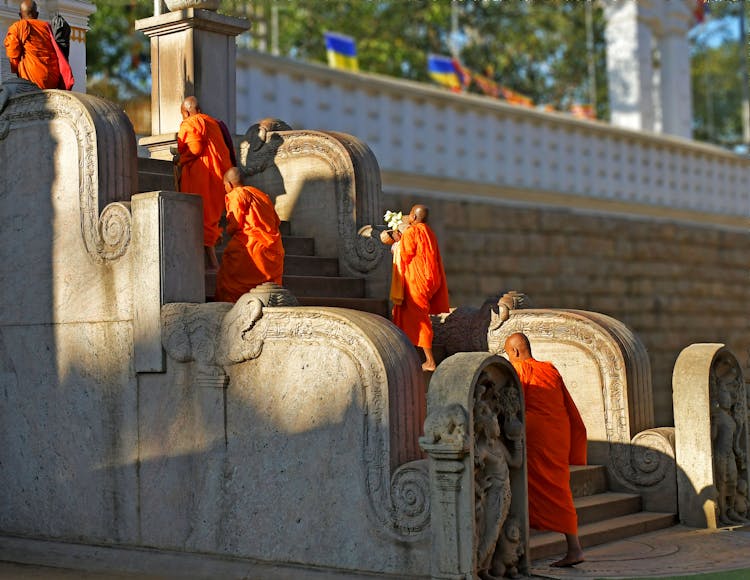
(674, 551)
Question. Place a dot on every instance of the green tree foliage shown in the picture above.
(536, 48)
(117, 57)
(716, 76)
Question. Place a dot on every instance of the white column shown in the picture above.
(676, 91)
(629, 65)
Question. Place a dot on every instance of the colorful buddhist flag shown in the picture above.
(515, 98)
(442, 70)
(342, 51)
(487, 85)
(583, 111)
(699, 11)
(464, 74)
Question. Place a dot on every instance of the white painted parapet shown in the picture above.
(475, 146)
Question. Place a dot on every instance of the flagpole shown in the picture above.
(454, 28)
(744, 47)
(590, 54)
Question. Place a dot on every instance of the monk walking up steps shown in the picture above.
(425, 286)
(254, 255)
(33, 53)
(203, 160)
(555, 440)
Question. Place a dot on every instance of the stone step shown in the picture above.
(374, 305)
(310, 266)
(588, 479)
(548, 544)
(328, 286)
(155, 175)
(298, 246)
(607, 505)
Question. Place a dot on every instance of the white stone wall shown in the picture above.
(476, 144)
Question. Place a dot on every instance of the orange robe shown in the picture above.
(31, 53)
(204, 157)
(254, 254)
(425, 286)
(555, 439)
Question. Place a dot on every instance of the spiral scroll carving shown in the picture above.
(114, 230)
(410, 493)
(652, 455)
(102, 179)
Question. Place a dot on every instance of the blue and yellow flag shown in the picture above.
(342, 51)
(442, 70)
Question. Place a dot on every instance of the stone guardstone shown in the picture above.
(607, 371)
(327, 185)
(710, 416)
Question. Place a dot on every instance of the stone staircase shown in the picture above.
(603, 515)
(314, 280)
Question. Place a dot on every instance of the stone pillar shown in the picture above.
(648, 64)
(193, 52)
(711, 438)
(629, 66)
(76, 12)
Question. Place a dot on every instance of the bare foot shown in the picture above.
(567, 562)
(429, 367)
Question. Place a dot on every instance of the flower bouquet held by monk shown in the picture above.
(254, 254)
(425, 289)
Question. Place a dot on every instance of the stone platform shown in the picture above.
(674, 551)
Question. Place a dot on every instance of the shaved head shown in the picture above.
(28, 9)
(232, 178)
(517, 347)
(189, 107)
(419, 214)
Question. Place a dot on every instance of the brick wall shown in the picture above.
(672, 283)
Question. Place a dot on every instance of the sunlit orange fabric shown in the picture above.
(31, 53)
(254, 254)
(425, 286)
(555, 439)
(204, 158)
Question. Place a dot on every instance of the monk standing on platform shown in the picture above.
(555, 440)
(203, 160)
(32, 51)
(254, 255)
(425, 286)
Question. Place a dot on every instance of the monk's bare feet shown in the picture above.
(568, 561)
(429, 367)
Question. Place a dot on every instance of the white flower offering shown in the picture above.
(393, 219)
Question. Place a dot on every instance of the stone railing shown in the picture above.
(493, 149)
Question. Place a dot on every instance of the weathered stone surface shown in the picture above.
(320, 408)
(474, 438)
(69, 425)
(711, 435)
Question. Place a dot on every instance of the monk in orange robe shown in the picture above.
(555, 440)
(255, 254)
(203, 160)
(424, 283)
(30, 49)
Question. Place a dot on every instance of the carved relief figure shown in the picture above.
(492, 463)
(509, 551)
(726, 450)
